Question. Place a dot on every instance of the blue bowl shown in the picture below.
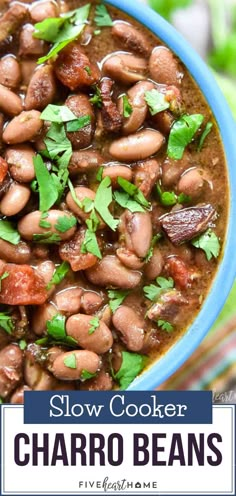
(224, 279)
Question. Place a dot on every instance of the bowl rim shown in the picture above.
(172, 360)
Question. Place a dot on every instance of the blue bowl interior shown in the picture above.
(224, 279)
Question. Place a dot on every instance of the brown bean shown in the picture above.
(40, 316)
(46, 270)
(109, 272)
(36, 377)
(10, 73)
(131, 38)
(28, 45)
(15, 199)
(155, 266)
(29, 225)
(146, 175)
(42, 88)
(97, 339)
(136, 97)
(105, 315)
(114, 171)
(10, 103)
(137, 146)
(163, 66)
(12, 19)
(172, 169)
(81, 193)
(27, 68)
(52, 354)
(43, 10)
(24, 127)
(18, 396)
(11, 360)
(163, 121)
(68, 301)
(91, 302)
(102, 382)
(40, 251)
(85, 361)
(84, 160)
(20, 161)
(80, 106)
(136, 228)
(19, 254)
(125, 68)
(129, 259)
(131, 327)
(191, 183)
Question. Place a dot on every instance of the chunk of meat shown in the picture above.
(146, 175)
(181, 273)
(22, 286)
(71, 252)
(12, 19)
(74, 69)
(111, 118)
(167, 307)
(3, 169)
(185, 224)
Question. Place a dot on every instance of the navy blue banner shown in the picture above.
(118, 407)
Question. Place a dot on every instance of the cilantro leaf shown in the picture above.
(78, 123)
(70, 361)
(57, 114)
(132, 365)
(96, 99)
(85, 375)
(124, 200)
(182, 133)
(133, 191)
(48, 193)
(102, 17)
(209, 243)
(58, 145)
(73, 194)
(94, 323)
(102, 201)
(6, 322)
(4, 276)
(127, 107)
(204, 135)
(153, 292)
(165, 326)
(59, 274)
(65, 223)
(156, 101)
(116, 297)
(46, 238)
(166, 198)
(99, 174)
(182, 198)
(56, 332)
(22, 344)
(90, 244)
(155, 239)
(8, 232)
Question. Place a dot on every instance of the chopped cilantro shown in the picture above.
(22, 344)
(8, 232)
(156, 101)
(166, 198)
(155, 239)
(102, 201)
(133, 191)
(57, 114)
(116, 297)
(56, 332)
(99, 174)
(73, 194)
(165, 326)
(124, 200)
(78, 123)
(94, 323)
(6, 322)
(58, 145)
(70, 361)
(44, 223)
(46, 238)
(132, 365)
(65, 223)
(209, 243)
(204, 135)
(4, 276)
(48, 193)
(153, 292)
(127, 108)
(90, 244)
(102, 17)
(96, 99)
(59, 274)
(88, 70)
(182, 133)
(85, 375)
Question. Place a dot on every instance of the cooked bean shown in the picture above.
(81, 193)
(191, 183)
(19, 254)
(109, 272)
(1, 128)
(18, 396)
(114, 171)
(172, 169)
(30, 45)
(136, 97)
(163, 121)
(146, 175)
(46, 270)
(131, 38)
(15, 199)
(80, 106)
(3, 170)
(137, 146)
(155, 266)
(12, 19)
(125, 67)
(93, 338)
(91, 302)
(20, 161)
(43, 10)
(36, 377)
(163, 66)
(68, 301)
(105, 315)
(24, 127)
(52, 354)
(42, 89)
(74, 69)
(102, 382)
(84, 161)
(40, 317)
(10, 103)
(131, 327)
(84, 360)
(10, 73)
(129, 259)
(136, 228)
(29, 225)
(40, 251)
(27, 68)
(11, 360)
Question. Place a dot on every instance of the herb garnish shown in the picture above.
(8, 232)
(58, 145)
(182, 133)
(153, 292)
(127, 107)
(156, 101)
(85, 375)
(6, 322)
(204, 135)
(59, 274)
(102, 17)
(56, 333)
(133, 191)
(94, 323)
(169, 198)
(116, 297)
(132, 365)
(70, 361)
(22, 344)
(96, 99)
(65, 222)
(165, 326)
(155, 239)
(4, 276)
(48, 193)
(209, 243)
(102, 201)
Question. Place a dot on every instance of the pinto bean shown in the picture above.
(10, 103)
(24, 127)
(18, 396)
(46, 270)
(42, 89)
(70, 251)
(131, 327)
(163, 121)
(99, 339)
(172, 169)
(131, 38)
(163, 66)
(18, 254)
(146, 175)
(43, 10)
(40, 317)
(137, 146)
(11, 360)
(80, 106)
(136, 228)
(20, 161)
(12, 19)
(129, 259)
(81, 193)
(136, 97)
(29, 225)
(83, 161)
(105, 315)
(191, 183)
(125, 68)
(30, 45)
(68, 301)
(52, 354)
(15, 199)
(102, 382)
(27, 68)
(84, 360)
(155, 266)
(10, 73)
(71, 67)
(109, 272)
(114, 171)
(91, 302)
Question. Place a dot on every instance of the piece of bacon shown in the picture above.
(22, 286)
(180, 272)
(3, 169)
(70, 251)
(111, 118)
(74, 69)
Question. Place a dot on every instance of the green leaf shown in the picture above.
(182, 133)
(4, 276)
(125, 201)
(44, 223)
(94, 323)
(90, 244)
(58, 145)
(153, 292)
(156, 101)
(165, 326)
(93, 222)
(166, 8)
(88, 205)
(56, 328)
(182, 198)
(73, 194)
(99, 174)
(59, 274)
(22, 344)
(6, 322)
(96, 99)
(116, 297)
(70, 361)
(102, 201)
(155, 239)
(209, 243)
(127, 107)
(48, 29)
(78, 124)
(85, 375)
(57, 114)
(46, 238)
(133, 191)
(8, 232)
(205, 133)
(48, 193)
(166, 198)
(132, 365)
(102, 17)
(65, 223)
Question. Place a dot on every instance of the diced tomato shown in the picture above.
(71, 252)
(181, 273)
(74, 69)
(22, 286)
(3, 169)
